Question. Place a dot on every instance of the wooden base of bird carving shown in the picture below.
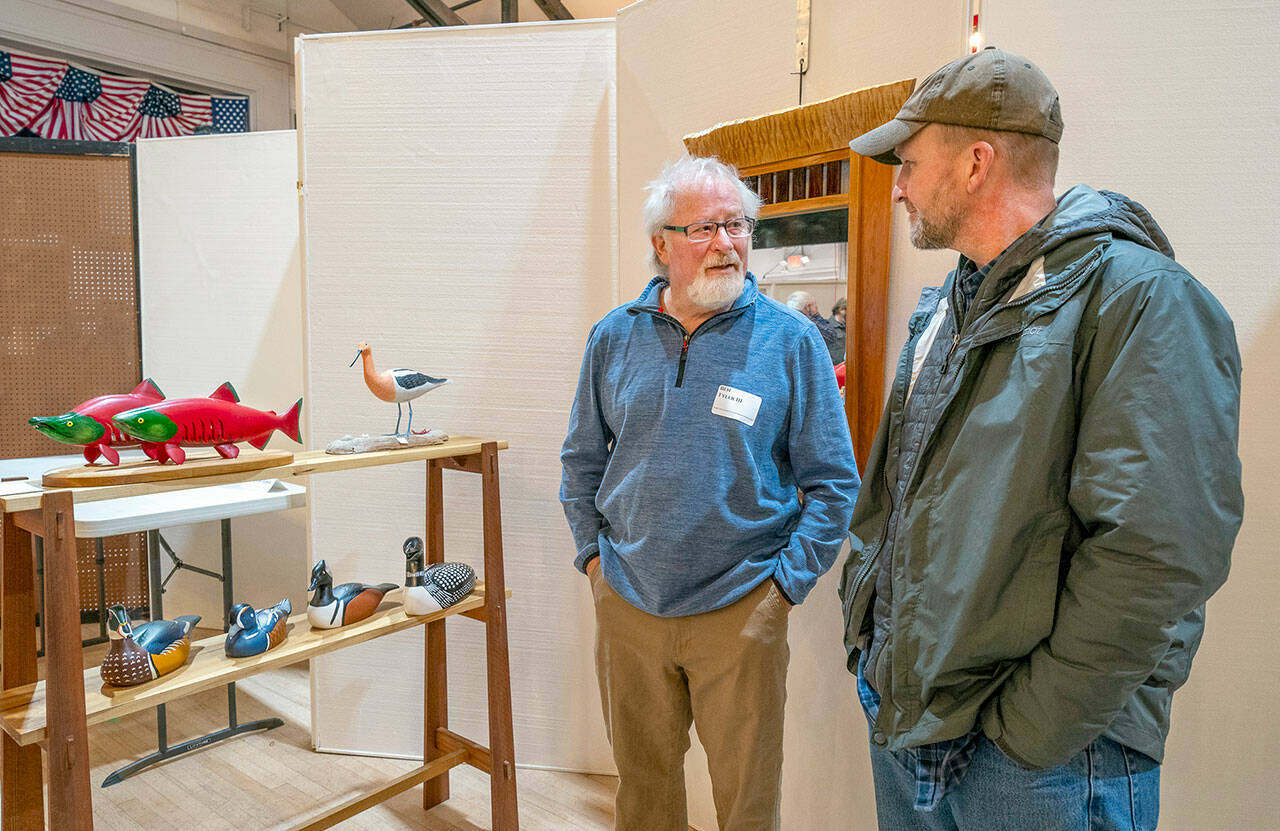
(367, 443)
(147, 651)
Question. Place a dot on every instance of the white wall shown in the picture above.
(221, 299)
(675, 78)
(120, 39)
(1167, 102)
(468, 233)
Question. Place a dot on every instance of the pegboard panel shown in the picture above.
(123, 569)
(69, 319)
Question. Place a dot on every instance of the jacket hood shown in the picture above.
(1083, 212)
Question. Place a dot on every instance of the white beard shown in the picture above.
(715, 293)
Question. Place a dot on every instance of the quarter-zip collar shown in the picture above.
(650, 302)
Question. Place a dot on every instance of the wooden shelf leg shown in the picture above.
(70, 802)
(435, 683)
(502, 776)
(21, 770)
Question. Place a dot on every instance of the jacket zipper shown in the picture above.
(684, 354)
(686, 336)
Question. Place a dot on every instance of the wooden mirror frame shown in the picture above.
(791, 154)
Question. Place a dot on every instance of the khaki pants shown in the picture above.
(726, 672)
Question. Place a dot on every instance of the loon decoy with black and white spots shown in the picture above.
(398, 385)
(254, 632)
(333, 606)
(146, 651)
(430, 588)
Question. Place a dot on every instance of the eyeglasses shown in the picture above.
(737, 228)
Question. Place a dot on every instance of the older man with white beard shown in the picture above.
(704, 409)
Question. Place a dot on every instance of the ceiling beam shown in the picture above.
(437, 13)
(510, 11)
(554, 9)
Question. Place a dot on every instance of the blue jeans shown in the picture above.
(1105, 787)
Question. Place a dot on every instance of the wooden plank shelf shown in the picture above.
(22, 709)
(304, 463)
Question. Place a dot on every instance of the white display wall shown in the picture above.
(459, 216)
(221, 300)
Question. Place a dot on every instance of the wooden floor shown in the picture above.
(274, 780)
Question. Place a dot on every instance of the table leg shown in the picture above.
(435, 684)
(100, 560)
(70, 801)
(21, 771)
(502, 777)
(228, 592)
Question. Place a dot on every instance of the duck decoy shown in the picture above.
(398, 385)
(254, 632)
(333, 606)
(146, 651)
(435, 587)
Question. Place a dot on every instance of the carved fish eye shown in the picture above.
(139, 419)
(70, 423)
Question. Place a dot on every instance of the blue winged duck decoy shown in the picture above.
(254, 632)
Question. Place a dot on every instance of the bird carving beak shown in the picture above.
(356, 358)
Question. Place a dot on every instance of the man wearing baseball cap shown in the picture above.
(1055, 487)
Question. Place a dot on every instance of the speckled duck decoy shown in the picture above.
(435, 587)
(333, 606)
(146, 651)
(254, 632)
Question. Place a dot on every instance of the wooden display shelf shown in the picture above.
(44, 741)
(305, 463)
(22, 709)
(198, 463)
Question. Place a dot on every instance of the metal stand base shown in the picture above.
(155, 543)
(232, 729)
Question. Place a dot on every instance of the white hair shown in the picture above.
(801, 300)
(684, 174)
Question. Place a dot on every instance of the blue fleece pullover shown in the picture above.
(689, 510)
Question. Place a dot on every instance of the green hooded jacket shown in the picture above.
(1072, 504)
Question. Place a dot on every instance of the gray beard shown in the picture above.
(930, 236)
(715, 293)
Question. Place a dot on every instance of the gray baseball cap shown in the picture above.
(991, 90)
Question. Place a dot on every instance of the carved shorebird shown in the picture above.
(398, 385)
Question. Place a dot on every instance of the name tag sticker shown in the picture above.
(736, 404)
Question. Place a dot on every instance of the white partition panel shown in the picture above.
(459, 216)
(221, 300)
